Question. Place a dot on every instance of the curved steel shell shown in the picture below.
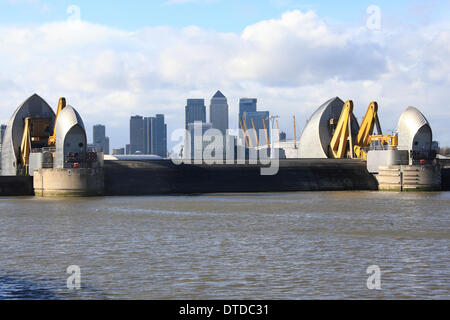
(34, 107)
(70, 135)
(414, 131)
(316, 137)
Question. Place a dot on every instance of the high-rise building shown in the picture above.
(218, 112)
(246, 105)
(195, 111)
(159, 137)
(136, 135)
(149, 123)
(260, 119)
(101, 141)
(148, 135)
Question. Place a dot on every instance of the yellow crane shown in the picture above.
(25, 146)
(342, 135)
(365, 136)
(365, 133)
(61, 106)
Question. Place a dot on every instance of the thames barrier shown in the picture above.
(45, 153)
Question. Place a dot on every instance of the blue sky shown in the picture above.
(118, 61)
(220, 15)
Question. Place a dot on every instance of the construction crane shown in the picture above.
(25, 146)
(342, 136)
(365, 133)
(61, 106)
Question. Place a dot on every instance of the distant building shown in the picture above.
(128, 149)
(246, 105)
(282, 136)
(218, 112)
(258, 119)
(195, 111)
(101, 141)
(155, 136)
(148, 135)
(136, 135)
(118, 152)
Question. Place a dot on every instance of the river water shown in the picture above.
(307, 245)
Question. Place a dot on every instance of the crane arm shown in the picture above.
(366, 130)
(61, 106)
(342, 134)
(25, 147)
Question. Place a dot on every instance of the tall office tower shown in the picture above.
(149, 122)
(259, 119)
(159, 137)
(106, 146)
(246, 105)
(195, 111)
(136, 135)
(101, 141)
(218, 112)
(155, 136)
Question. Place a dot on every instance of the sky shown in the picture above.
(114, 59)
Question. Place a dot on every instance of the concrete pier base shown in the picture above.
(69, 182)
(409, 178)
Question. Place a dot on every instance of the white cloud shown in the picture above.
(292, 64)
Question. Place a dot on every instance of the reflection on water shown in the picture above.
(235, 246)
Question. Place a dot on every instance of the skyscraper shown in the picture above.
(148, 135)
(195, 111)
(136, 135)
(159, 137)
(218, 112)
(246, 105)
(101, 141)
